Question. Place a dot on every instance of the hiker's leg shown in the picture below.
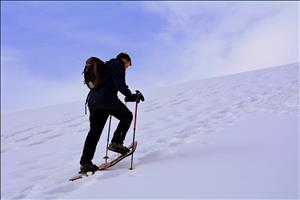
(122, 113)
(97, 122)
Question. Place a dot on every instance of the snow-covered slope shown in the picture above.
(228, 137)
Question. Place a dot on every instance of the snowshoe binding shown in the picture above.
(119, 148)
(84, 168)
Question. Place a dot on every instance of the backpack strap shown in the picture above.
(86, 101)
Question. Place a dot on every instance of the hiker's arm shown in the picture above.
(118, 75)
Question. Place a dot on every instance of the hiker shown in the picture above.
(103, 102)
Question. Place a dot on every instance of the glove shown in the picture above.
(137, 97)
(131, 98)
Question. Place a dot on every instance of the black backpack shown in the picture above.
(94, 73)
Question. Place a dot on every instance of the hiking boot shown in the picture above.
(119, 148)
(88, 168)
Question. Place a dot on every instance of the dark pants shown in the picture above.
(98, 118)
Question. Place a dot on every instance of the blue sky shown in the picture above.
(44, 44)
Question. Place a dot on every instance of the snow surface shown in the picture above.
(228, 137)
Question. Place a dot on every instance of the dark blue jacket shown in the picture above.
(106, 95)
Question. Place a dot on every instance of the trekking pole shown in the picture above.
(134, 127)
(108, 135)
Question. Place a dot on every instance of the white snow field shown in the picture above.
(230, 137)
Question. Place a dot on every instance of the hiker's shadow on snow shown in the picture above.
(208, 150)
(111, 173)
(154, 156)
(213, 151)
